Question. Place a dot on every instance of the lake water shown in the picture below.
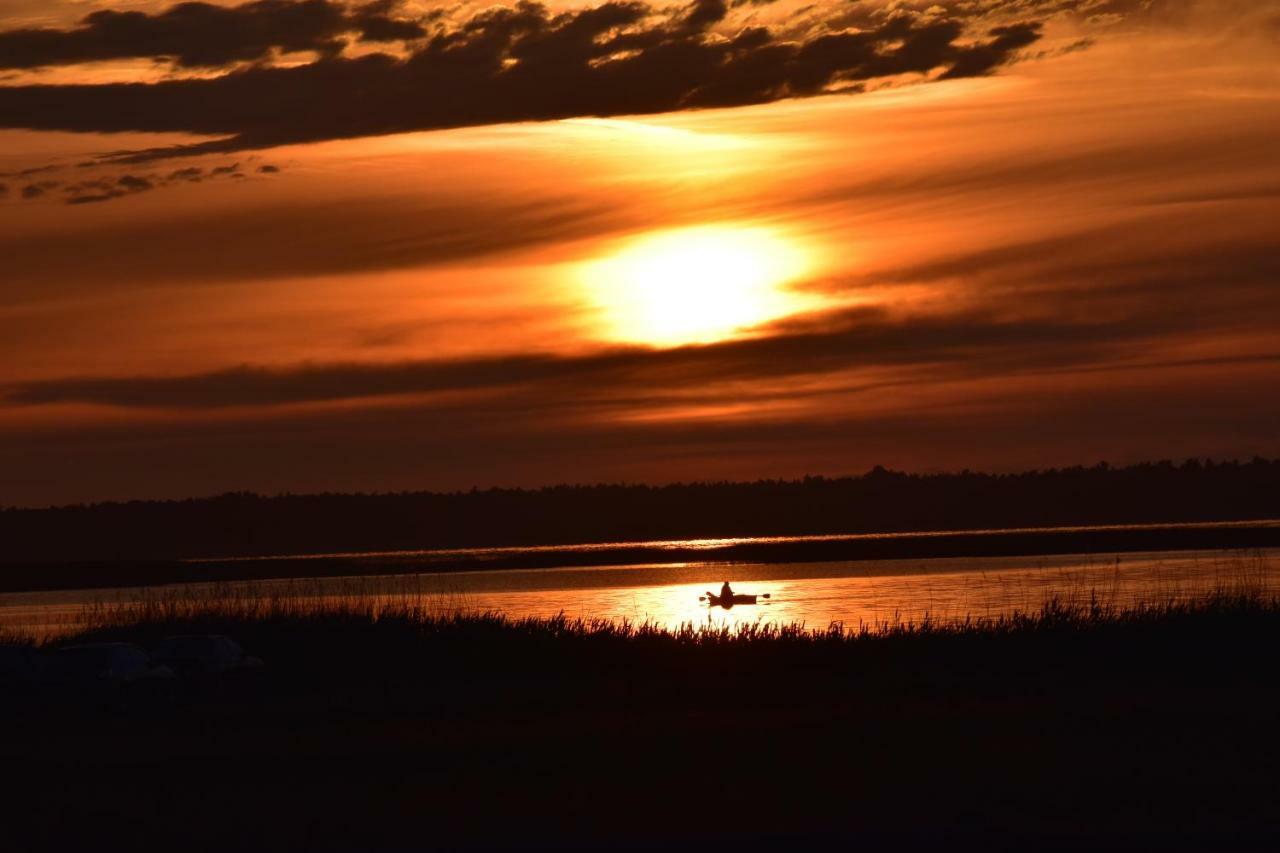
(817, 594)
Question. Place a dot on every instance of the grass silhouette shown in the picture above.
(414, 724)
(403, 640)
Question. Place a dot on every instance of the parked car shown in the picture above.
(204, 654)
(101, 665)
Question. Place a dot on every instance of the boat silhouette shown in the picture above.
(730, 600)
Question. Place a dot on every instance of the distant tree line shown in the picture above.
(246, 524)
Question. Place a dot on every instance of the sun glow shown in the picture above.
(697, 285)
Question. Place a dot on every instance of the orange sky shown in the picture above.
(1066, 257)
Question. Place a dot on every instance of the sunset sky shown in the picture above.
(306, 246)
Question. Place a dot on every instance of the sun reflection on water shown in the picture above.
(815, 595)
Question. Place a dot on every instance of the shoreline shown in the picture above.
(1111, 540)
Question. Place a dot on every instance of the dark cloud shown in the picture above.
(703, 13)
(34, 190)
(407, 448)
(984, 57)
(523, 435)
(519, 63)
(100, 189)
(302, 238)
(1081, 345)
(91, 198)
(106, 189)
(1103, 299)
(382, 21)
(967, 344)
(133, 183)
(205, 35)
(268, 169)
(4, 190)
(392, 448)
(870, 13)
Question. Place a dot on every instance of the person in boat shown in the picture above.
(726, 592)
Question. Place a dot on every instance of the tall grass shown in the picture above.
(276, 610)
(242, 610)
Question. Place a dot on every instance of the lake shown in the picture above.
(852, 593)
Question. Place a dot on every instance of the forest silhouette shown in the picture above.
(245, 524)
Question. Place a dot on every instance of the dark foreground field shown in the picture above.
(1070, 730)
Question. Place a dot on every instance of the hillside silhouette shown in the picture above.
(246, 524)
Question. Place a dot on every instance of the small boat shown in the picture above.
(736, 598)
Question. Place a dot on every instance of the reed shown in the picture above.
(294, 610)
(416, 706)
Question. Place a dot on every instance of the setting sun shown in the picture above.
(696, 285)
(657, 424)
